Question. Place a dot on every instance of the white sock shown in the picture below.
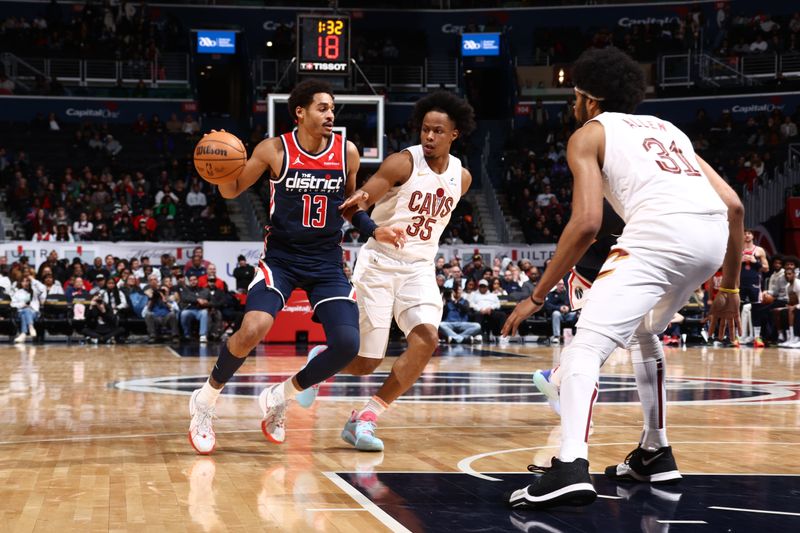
(374, 405)
(208, 394)
(580, 372)
(647, 355)
(757, 331)
(289, 390)
(791, 332)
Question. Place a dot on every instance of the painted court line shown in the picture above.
(173, 352)
(323, 510)
(366, 503)
(465, 465)
(681, 521)
(762, 511)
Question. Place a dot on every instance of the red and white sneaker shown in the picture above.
(201, 430)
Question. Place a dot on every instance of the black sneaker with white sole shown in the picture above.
(649, 467)
(561, 484)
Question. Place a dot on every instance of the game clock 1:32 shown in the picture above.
(323, 44)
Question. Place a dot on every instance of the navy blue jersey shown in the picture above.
(304, 201)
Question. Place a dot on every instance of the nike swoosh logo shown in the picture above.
(646, 462)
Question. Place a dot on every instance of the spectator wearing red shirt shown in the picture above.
(147, 220)
(211, 279)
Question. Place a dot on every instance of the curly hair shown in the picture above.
(459, 111)
(610, 74)
(303, 94)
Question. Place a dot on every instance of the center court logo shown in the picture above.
(489, 388)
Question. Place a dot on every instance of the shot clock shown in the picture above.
(323, 44)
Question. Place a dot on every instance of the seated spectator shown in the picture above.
(51, 287)
(63, 234)
(76, 291)
(135, 294)
(487, 307)
(456, 325)
(102, 325)
(82, 228)
(195, 267)
(174, 124)
(22, 299)
(455, 279)
(146, 219)
(210, 279)
(190, 126)
(159, 313)
(557, 305)
(196, 197)
(243, 273)
(97, 268)
(194, 307)
(114, 298)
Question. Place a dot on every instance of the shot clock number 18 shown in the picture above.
(323, 44)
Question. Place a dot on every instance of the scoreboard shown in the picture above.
(323, 44)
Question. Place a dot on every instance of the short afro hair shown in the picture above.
(303, 94)
(610, 74)
(459, 111)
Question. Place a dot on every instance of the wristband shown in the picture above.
(535, 302)
(364, 223)
(729, 291)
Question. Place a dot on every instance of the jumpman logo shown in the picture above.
(297, 160)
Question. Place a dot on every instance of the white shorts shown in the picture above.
(388, 287)
(651, 274)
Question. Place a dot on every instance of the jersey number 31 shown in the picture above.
(665, 160)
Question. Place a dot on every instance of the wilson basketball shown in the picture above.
(219, 157)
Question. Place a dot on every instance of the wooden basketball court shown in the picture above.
(95, 439)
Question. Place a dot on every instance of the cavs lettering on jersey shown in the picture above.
(304, 200)
(422, 205)
(650, 170)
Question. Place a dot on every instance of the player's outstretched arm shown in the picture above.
(394, 170)
(583, 154)
(265, 152)
(724, 313)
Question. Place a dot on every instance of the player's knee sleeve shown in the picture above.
(585, 355)
(344, 342)
(340, 320)
(645, 347)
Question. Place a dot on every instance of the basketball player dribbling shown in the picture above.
(682, 221)
(311, 169)
(415, 189)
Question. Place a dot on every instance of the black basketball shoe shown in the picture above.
(561, 484)
(650, 467)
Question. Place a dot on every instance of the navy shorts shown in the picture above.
(276, 278)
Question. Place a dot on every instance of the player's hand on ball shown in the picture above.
(393, 236)
(355, 199)
(523, 310)
(724, 315)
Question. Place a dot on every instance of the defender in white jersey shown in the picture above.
(681, 222)
(416, 189)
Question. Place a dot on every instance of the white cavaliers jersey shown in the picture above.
(422, 205)
(650, 170)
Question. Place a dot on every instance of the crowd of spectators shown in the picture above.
(130, 31)
(111, 298)
(745, 152)
(98, 193)
(727, 34)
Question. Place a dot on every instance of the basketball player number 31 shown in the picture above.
(666, 162)
(319, 203)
